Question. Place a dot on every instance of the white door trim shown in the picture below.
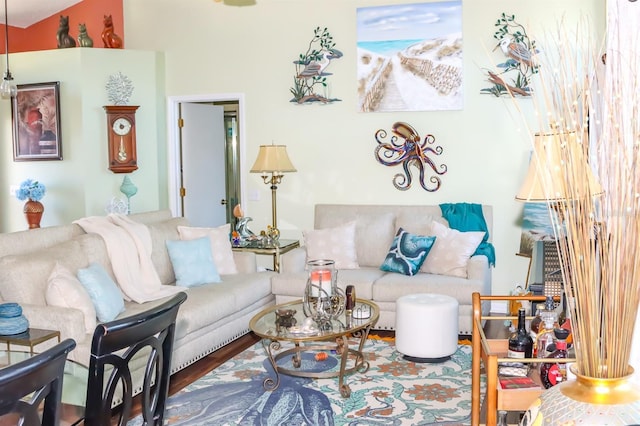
(173, 142)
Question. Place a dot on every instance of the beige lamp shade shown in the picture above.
(272, 159)
(558, 170)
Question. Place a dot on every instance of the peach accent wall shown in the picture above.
(42, 35)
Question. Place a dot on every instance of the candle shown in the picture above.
(322, 279)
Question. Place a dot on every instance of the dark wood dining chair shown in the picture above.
(119, 348)
(24, 387)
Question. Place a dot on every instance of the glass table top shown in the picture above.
(264, 323)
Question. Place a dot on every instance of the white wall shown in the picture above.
(210, 47)
(81, 183)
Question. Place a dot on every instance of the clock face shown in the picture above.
(122, 126)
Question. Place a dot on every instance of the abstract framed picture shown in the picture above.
(36, 122)
(410, 57)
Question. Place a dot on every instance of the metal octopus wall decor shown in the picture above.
(410, 151)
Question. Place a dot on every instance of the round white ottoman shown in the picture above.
(426, 327)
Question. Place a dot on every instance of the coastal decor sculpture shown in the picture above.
(405, 147)
(520, 52)
(311, 66)
(129, 189)
(242, 224)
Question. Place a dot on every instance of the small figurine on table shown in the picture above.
(242, 223)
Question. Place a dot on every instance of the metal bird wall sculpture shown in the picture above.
(520, 50)
(311, 74)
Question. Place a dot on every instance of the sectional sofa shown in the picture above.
(212, 316)
(362, 236)
(215, 314)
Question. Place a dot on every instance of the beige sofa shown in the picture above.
(212, 316)
(376, 226)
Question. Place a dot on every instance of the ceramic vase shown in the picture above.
(33, 212)
(587, 401)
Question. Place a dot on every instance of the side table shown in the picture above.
(276, 249)
(32, 337)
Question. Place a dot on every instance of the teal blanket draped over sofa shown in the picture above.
(468, 217)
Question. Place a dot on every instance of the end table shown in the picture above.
(32, 337)
(276, 249)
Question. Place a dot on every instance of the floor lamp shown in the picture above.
(273, 159)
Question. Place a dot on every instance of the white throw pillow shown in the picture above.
(220, 245)
(337, 244)
(66, 291)
(451, 251)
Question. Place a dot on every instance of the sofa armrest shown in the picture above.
(245, 261)
(478, 269)
(293, 261)
(68, 321)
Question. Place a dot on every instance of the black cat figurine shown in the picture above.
(64, 39)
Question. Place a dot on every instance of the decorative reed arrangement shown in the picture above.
(589, 113)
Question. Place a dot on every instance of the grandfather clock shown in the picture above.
(121, 136)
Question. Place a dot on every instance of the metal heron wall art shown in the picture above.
(405, 147)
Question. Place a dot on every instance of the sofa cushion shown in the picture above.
(374, 235)
(160, 233)
(209, 303)
(193, 262)
(337, 244)
(220, 245)
(391, 286)
(407, 253)
(66, 291)
(451, 251)
(103, 291)
(34, 268)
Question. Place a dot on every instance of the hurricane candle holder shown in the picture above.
(323, 300)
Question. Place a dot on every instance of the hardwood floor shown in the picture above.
(198, 369)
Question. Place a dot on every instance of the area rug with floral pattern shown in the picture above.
(392, 392)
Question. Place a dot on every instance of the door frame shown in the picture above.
(173, 142)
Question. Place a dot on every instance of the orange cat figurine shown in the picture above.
(109, 37)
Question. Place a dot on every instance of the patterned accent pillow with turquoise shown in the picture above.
(407, 253)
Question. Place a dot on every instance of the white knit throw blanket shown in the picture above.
(129, 249)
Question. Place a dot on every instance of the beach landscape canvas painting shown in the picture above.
(536, 226)
(410, 57)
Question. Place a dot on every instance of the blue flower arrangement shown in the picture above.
(31, 189)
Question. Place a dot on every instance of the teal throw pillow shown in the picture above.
(192, 262)
(103, 292)
(407, 253)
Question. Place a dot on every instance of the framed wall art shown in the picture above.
(410, 57)
(36, 122)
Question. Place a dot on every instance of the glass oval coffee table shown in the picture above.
(276, 326)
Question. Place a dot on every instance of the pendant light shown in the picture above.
(7, 88)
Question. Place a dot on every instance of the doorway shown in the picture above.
(233, 185)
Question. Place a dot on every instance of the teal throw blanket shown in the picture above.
(468, 217)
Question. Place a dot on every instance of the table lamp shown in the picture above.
(273, 159)
(554, 154)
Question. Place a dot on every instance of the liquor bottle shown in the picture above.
(549, 311)
(545, 339)
(549, 321)
(552, 373)
(534, 327)
(520, 342)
